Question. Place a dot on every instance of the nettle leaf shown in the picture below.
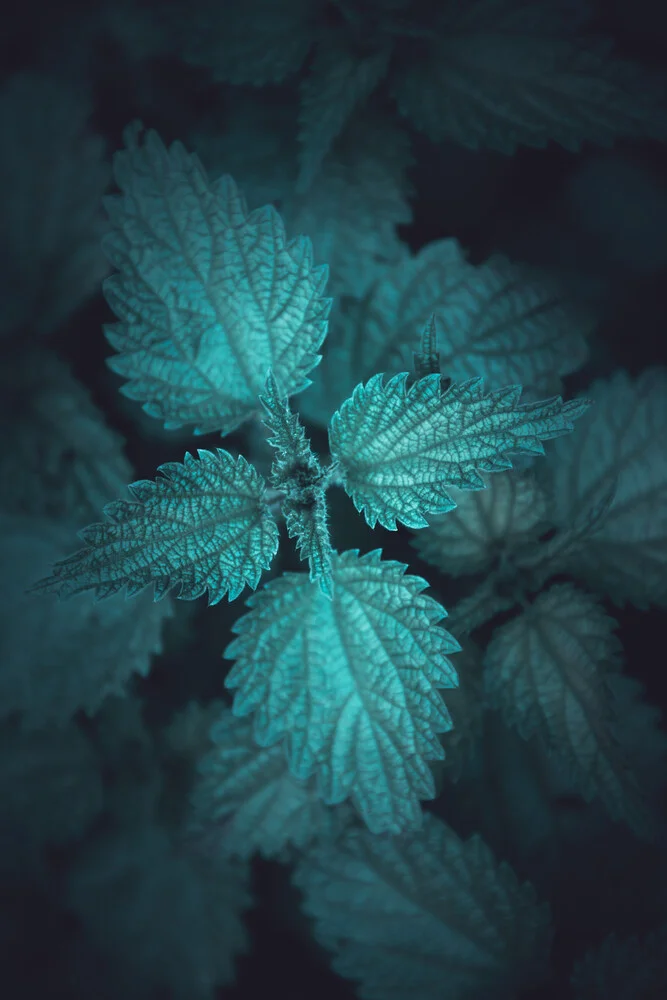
(625, 555)
(375, 334)
(208, 296)
(424, 915)
(485, 525)
(502, 73)
(502, 321)
(511, 323)
(623, 969)
(399, 449)
(548, 671)
(354, 204)
(350, 684)
(340, 79)
(204, 525)
(297, 471)
(246, 800)
(250, 41)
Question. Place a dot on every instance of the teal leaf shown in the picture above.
(550, 670)
(350, 684)
(427, 359)
(504, 74)
(340, 79)
(208, 296)
(485, 526)
(246, 800)
(57, 660)
(623, 442)
(250, 41)
(376, 333)
(425, 915)
(354, 204)
(399, 449)
(505, 322)
(511, 323)
(201, 526)
(623, 969)
(297, 472)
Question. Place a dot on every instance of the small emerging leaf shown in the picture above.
(297, 471)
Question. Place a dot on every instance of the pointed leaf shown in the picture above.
(351, 683)
(504, 73)
(250, 41)
(424, 915)
(202, 526)
(399, 449)
(511, 323)
(339, 80)
(485, 525)
(623, 442)
(548, 670)
(208, 296)
(245, 799)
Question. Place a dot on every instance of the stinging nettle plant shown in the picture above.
(220, 320)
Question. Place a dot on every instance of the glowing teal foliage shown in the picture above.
(201, 526)
(623, 969)
(424, 915)
(485, 526)
(623, 444)
(399, 448)
(339, 80)
(350, 684)
(502, 321)
(297, 472)
(208, 295)
(549, 671)
(497, 74)
(246, 800)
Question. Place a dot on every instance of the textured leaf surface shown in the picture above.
(246, 800)
(548, 672)
(485, 525)
(297, 471)
(501, 321)
(58, 459)
(356, 201)
(57, 659)
(623, 441)
(351, 683)
(399, 448)
(504, 73)
(354, 204)
(511, 323)
(377, 333)
(424, 915)
(202, 526)
(208, 296)
(250, 41)
(339, 80)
